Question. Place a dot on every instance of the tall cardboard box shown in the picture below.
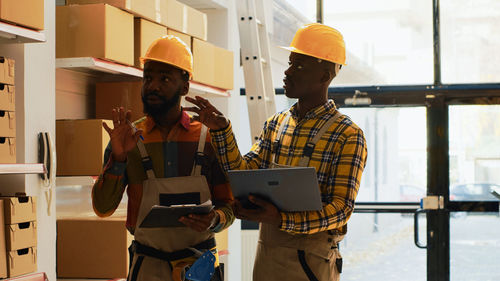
(7, 124)
(3, 253)
(80, 146)
(97, 30)
(29, 13)
(19, 209)
(21, 261)
(7, 97)
(7, 71)
(111, 95)
(212, 65)
(145, 32)
(184, 37)
(21, 235)
(183, 18)
(92, 248)
(141, 8)
(7, 150)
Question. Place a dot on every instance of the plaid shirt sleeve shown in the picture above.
(107, 191)
(344, 182)
(230, 156)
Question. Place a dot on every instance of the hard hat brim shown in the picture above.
(145, 59)
(295, 50)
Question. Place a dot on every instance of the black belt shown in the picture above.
(141, 249)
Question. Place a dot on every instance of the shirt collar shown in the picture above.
(328, 107)
(184, 121)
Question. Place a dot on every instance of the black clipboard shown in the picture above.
(168, 216)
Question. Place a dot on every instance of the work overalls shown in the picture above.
(163, 253)
(292, 257)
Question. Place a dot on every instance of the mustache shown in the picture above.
(153, 93)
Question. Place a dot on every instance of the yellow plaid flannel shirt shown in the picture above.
(339, 158)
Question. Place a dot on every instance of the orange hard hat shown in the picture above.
(319, 41)
(171, 50)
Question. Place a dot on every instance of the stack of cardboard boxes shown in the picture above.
(121, 31)
(7, 111)
(18, 236)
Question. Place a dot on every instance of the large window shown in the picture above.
(469, 41)
(396, 168)
(388, 41)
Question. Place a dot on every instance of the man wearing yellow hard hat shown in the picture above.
(165, 159)
(300, 245)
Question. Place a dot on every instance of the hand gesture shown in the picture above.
(207, 113)
(201, 223)
(123, 137)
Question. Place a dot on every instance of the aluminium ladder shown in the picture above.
(256, 60)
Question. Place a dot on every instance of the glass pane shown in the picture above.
(380, 247)
(474, 247)
(387, 41)
(474, 152)
(470, 41)
(396, 168)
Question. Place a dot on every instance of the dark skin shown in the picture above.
(167, 81)
(306, 79)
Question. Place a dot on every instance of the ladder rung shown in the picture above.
(258, 22)
(262, 60)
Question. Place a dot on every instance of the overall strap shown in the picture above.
(147, 164)
(278, 135)
(309, 147)
(198, 159)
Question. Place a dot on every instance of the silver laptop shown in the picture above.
(290, 189)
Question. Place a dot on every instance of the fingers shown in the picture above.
(199, 223)
(128, 115)
(259, 202)
(107, 128)
(121, 114)
(114, 114)
(192, 109)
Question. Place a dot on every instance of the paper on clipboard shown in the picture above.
(168, 216)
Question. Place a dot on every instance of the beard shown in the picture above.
(157, 110)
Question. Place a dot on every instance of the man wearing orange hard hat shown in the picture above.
(167, 165)
(300, 245)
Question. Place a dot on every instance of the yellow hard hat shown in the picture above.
(319, 41)
(171, 50)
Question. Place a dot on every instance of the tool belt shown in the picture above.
(178, 268)
(141, 249)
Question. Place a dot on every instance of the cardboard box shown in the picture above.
(28, 13)
(196, 23)
(116, 94)
(80, 146)
(7, 70)
(19, 209)
(141, 8)
(184, 37)
(145, 32)
(3, 256)
(7, 97)
(40, 276)
(212, 65)
(7, 124)
(92, 248)
(21, 261)
(7, 150)
(21, 235)
(97, 30)
(183, 18)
